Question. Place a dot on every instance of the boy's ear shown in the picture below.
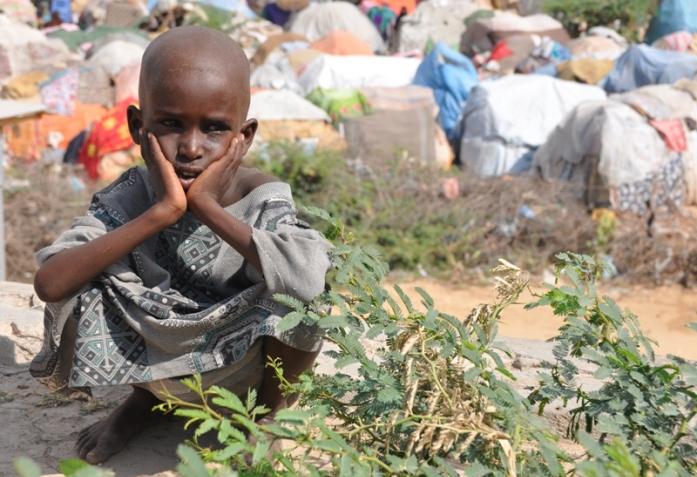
(135, 122)
(248, 130)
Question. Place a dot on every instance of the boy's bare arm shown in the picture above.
(69, 270)
(66, 272)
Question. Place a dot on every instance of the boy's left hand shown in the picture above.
(216, 181)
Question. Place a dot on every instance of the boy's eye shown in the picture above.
(216, 127)
(170, 123)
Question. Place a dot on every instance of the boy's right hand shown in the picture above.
(170, 193)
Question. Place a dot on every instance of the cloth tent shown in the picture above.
(319, 20)
(614, 156)
(336, 72)
(504, 121)
(451, 75)
(435, 21)
(672, 16)
(643, 65)
(24, 49)
(484, 33)
(285, 115)
(342, 43)
(271, 44)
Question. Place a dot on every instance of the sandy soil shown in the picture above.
(44, 428)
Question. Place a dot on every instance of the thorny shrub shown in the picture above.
(436, 399)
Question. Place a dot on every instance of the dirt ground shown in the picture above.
(44, 428)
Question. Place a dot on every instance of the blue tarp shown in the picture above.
(642, 65)
(451, 75)
(672, 16)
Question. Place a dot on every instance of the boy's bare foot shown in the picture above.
(98, 442)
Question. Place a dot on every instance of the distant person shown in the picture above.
(172, 270)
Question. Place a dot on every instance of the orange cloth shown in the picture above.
(28, 139)
(396, 5)
(341, 42)
(109, 134)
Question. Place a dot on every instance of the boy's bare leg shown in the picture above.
(98, 442)
(293, 362)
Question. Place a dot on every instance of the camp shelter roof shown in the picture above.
(331, 71)
(642, 65)
(276, 105)
(432, 19)
(20, 10)
(516, 112)
(316, 21)
(14, 111)
(271, 44)
(342, 42)
(484, 33)
(25, 49)
(672, 16)
(663, 101)
(613, 152)
(76, 38)
(117, 54)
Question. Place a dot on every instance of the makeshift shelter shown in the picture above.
(21, 10)
(94, 85)
(117, 54)
(484, 33)
(387, 132)
(451, 75)
(672, 16)
(340, 104)
(597, 47)
(410, 98)
(28, 139)
(24, 49)
(316, 21)
(333, 72)
(504, 121)
(615, 157)
(283, 114)
(342, 43)
(585, 70)
(272, 44)
(432, 21)
(643, 65)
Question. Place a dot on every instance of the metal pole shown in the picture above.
(3, 271)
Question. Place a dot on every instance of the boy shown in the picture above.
(171, 271)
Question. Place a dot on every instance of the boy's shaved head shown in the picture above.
(195, 50)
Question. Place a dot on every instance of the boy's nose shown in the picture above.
(191, 145)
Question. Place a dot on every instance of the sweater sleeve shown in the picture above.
(294, 258)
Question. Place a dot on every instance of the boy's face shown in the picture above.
(194, 112)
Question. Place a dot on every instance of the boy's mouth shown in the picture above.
(186, 178)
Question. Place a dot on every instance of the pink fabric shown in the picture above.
(672, 132)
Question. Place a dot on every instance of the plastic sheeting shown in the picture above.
(672, 16)
(432, 20)
(116, 55)
(319, 20)
(613, 156)
(274, 105)
(484, 33)
(330, 72)
(451, 75)
(24, 49)
(642, 65)
(504, 121)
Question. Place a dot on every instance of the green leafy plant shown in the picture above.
(645, 407)
(434, 396)
(631, 15)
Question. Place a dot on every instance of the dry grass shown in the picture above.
(527, 221)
